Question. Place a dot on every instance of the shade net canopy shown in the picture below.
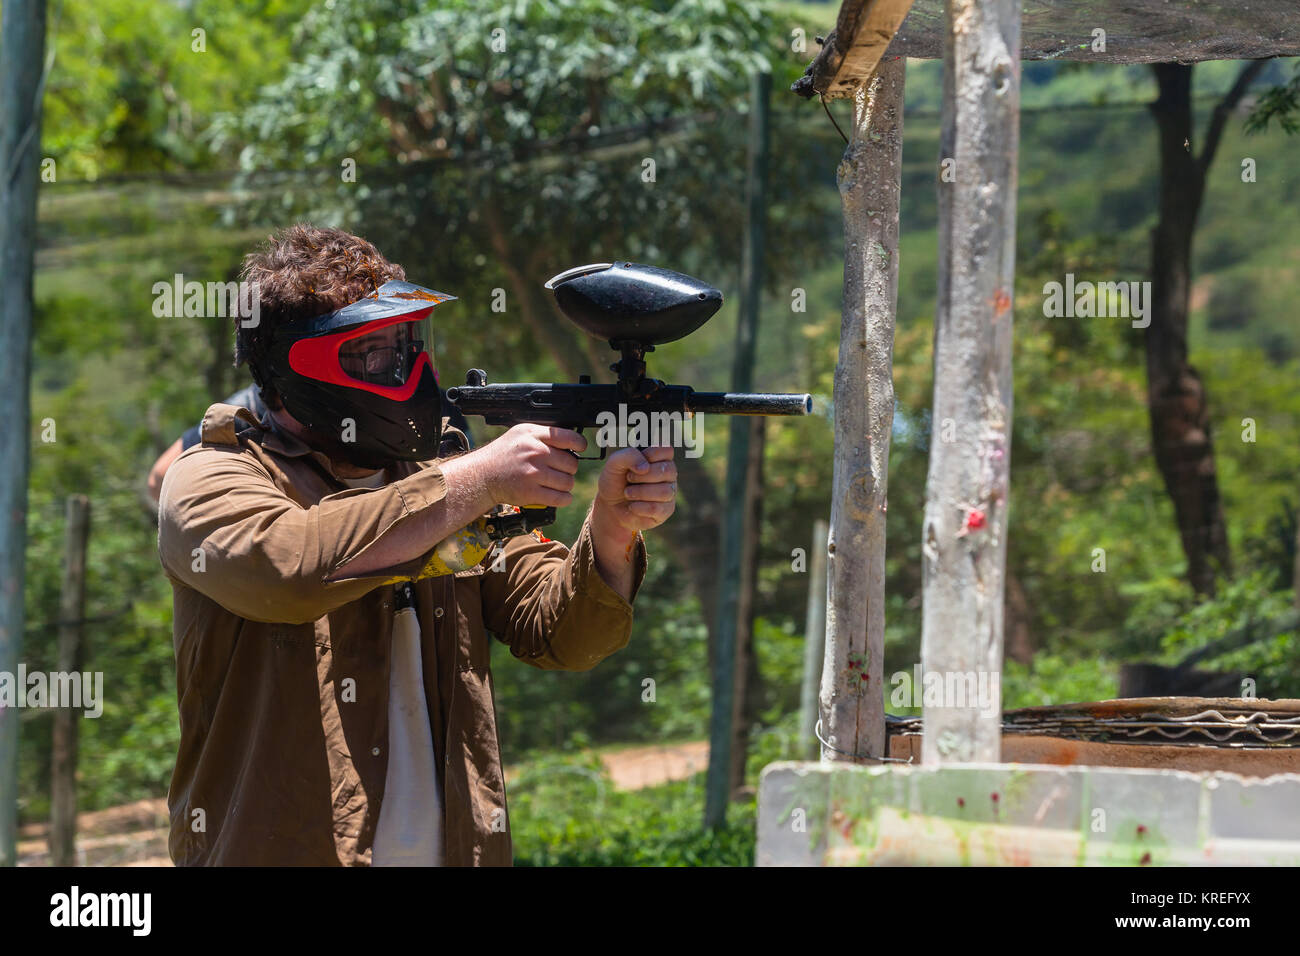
(1137, 31)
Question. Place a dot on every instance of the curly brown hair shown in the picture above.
(304, 271)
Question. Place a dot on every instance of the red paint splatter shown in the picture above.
(864, 675)
(1001, 303)
(853, 665)
(1146, 858)
(994, 797)
(975, 520)
(1141, 829)
(961, 801)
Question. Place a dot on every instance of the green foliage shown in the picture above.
(1280, 104)
(1253, 628)
(566, 812)
(1055, 679)
(131, 90)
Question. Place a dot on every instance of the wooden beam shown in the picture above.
(964, 542)
(852, 50)
(870, 182)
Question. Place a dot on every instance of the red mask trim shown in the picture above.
(318, 358)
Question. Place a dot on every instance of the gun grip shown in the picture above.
(511, 524)
(537, 517)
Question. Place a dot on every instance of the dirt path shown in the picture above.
(638, 767)
(135, 834)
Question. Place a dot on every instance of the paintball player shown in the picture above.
(332, 661)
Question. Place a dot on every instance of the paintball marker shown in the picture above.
(634, 307)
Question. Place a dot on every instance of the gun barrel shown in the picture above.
(749, 403)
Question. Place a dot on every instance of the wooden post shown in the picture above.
(964, 539)
(745, 709)
(1295, 571)
(734, 518)
(814, 640)
(22, 47)
(869, 176)
(72, 611)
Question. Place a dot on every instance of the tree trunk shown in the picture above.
(1180, 420)
(964, 542)
(1019, 622)
(852, 686)
(72, 653)
(748, 701)
(739, 533)
(1295, 567)
(814, 636)
(22, 47)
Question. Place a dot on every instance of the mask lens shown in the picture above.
(386, 355)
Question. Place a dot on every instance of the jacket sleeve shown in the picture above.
(552, 607)
(226, 530)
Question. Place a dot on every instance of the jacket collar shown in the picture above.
(276, 439)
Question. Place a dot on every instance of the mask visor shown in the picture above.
(385, 357)
(386, 352)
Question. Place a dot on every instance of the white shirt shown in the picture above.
(409, 832)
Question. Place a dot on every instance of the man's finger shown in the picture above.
(658, 453)
(549, 498)
(562, 461)
(552, 478)
(558, 437)
(657, 472)
(629, 460)
(659, 491)
(658, 511)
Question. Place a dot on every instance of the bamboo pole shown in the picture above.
(72, 612)
(964, 538)
(22, 46)
(852, 687)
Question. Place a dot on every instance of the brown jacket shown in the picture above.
(282, 678)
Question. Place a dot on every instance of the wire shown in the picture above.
(818, 731)
(835, 124)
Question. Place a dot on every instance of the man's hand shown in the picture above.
(530, 466)
(637, 490)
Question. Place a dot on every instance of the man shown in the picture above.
(333, 681)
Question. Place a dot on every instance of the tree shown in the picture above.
(1180, 421)
(22, 80)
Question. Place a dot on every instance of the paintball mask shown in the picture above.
(364, 374)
